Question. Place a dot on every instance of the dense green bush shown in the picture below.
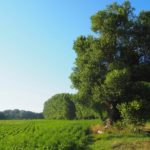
(130, 113)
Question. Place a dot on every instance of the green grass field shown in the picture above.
(66, 135)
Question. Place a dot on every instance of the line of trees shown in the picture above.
(19, 114)
(67, 106)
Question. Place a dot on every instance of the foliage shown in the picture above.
(67, 106)
(130, 113)
(19, 114)
(83, 112)
(60, 106)
(2, 116)
(113, 67)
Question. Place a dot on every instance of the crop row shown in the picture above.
(44, 134)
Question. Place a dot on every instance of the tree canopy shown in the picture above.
(59, 106)
(113, 67)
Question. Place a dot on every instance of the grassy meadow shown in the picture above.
(67, 135)
(122, 139)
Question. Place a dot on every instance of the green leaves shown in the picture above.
(109, 66)
(60, 106)
(115, 84)
(130, 112)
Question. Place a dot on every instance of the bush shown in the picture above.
(131, 113)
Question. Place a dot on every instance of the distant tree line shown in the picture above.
(19, 114)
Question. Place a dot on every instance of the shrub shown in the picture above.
(131, 113)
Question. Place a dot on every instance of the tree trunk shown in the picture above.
(113, 114)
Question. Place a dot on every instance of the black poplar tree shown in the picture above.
(114, 66)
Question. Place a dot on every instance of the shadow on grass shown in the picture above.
(135, 140)
(132, 135)
(139, 145)
(140, 138)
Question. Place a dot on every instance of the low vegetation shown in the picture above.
(45, 134)
(121, 139)
(68, 135)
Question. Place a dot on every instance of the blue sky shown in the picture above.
(36, 38)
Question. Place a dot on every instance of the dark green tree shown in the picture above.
(114, 66)
(2, 116)
(59, 106)
(20, 114)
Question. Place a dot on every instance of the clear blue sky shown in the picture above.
(36, 38)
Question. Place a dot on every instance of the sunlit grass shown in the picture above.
(68, 135)
(45, 134)
(122, 140)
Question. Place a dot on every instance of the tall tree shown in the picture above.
(59, 106)
(105, 67)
